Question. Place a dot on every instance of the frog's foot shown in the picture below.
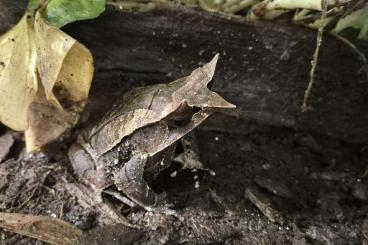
(117, 195)
(90, 198)
(129, 180)
(81, 161)
(189, 159)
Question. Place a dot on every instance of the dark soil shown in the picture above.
(313, 191)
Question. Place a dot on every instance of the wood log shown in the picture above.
(10, 13)
(263, 67)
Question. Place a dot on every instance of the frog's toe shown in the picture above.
(190, 160)
(117, 195)
(142, 195)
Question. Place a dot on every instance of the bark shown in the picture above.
(263, 67)
(10, 13)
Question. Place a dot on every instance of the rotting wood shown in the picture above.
(263, 67)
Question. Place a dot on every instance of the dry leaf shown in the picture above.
(65, 70)
(47, 229)
(45, 77)
(18, 79)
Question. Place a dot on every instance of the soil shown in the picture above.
(308, 189)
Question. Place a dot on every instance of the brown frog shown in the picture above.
(136, 139)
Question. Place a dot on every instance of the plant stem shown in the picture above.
(315, 57)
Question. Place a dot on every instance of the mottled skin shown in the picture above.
(136, 139)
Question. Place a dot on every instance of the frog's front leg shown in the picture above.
(129, 180)
(92, 183)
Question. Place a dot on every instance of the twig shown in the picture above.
(51, 230)
(315, 57)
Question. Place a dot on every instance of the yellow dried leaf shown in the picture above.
(64, 65)
(18, 79)
(65, 71)
(45, 77)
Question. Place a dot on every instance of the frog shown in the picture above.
(136, 139)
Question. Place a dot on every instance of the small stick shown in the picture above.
(47, 229)
(315, 57)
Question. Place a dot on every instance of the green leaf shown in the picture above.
(358, 20)
(61, 12)
(33, 5)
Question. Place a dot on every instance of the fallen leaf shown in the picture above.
(47, 229)
(45, 77)
(18, 77)
(65, 70)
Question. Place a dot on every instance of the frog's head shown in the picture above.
(195, 91)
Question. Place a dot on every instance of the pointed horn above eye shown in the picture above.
(203, 75)
(216, 101)
(210, 68)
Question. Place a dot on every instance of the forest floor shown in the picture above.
(272, 186)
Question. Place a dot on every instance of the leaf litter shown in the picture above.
(45, 77)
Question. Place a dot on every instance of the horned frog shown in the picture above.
(136, 139)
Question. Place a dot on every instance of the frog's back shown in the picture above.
(138, 108)
(147, 105)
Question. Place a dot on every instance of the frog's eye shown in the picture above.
(210, 84)
(178, 122)
(182, 116)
